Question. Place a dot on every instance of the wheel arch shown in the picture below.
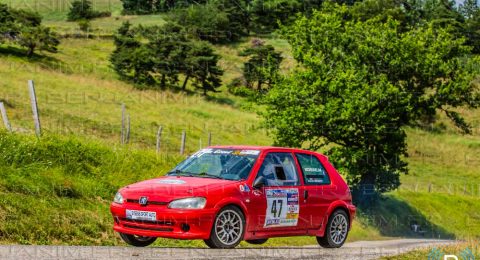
(337, 205)
(231, 201)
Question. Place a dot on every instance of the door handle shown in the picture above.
(305, 194)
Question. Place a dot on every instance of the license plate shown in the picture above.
(141, 215)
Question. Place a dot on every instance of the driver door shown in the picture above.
(279, 203)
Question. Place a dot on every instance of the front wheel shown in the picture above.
(137, 241)
(228, 228)
(336, 231)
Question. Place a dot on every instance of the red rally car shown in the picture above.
(226, 194)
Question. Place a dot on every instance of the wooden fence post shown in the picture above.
(182, 145)
(127, 135)
(36, 116)
(5, 117)
(159, 136)
(209, 138)
(122, 132)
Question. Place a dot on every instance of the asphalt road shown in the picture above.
(354, 250)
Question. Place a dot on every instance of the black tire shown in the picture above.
(337, 229)
(228, 228)
(137, 241)
(257, 241)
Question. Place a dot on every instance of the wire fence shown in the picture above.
(161, 138)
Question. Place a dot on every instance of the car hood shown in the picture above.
(168, 188)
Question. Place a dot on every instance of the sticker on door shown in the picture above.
(282, 208)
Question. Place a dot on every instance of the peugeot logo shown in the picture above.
(143, 201)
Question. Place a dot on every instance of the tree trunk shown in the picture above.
(259, 86)
(162, 82)
(31, 50)
(184, 86)
(204, 88)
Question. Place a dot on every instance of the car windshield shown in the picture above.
(229, 164)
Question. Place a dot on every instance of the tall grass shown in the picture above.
(57, 189)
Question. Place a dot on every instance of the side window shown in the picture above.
(313, 170)
(278, 169)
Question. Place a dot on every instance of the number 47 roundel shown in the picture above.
(282, 208)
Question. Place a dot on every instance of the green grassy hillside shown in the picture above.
(57, 190)
(79, 93)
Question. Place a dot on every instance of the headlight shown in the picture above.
(188, 203)
(118, 198)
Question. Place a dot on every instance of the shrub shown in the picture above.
(83, 10)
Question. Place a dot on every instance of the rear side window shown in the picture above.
(313, 170)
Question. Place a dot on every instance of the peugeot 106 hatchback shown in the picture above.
(226, 194)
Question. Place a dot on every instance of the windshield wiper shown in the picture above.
(191, 174)
(205, 174)
(180, 173)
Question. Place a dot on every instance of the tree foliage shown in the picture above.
(158, 55)
(471, 11)
(83, 10)
(359, 85)
(155, 6)
(38, 37)
(217, 21)
(201, 64)
(24, 28)
(263, 64)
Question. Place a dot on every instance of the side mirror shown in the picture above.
(259, 182)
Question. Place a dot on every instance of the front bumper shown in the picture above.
(171, 223)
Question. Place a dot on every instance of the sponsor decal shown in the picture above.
(222, 151)
(282, 208)
(250, 152)
(171, 181)
(244, 188)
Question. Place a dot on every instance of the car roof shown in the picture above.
(253, 147)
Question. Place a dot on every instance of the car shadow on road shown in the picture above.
(396, 218)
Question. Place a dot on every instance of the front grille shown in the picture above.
(161, 223)
(160, 203)
(149, 228)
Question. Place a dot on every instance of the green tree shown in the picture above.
(471, 11)
(156, 6)
(83, 10)
(167, 44)
(408, 12)
(122, 57)
(266, 15)
(263, 64)
(202, 66)
(238, 16)
(39, 37)
(22, 27)
(360, 84)
(84, 25)
(217, 21)
(80, 9)
(472, 32)
(443, 13)
(469, 8)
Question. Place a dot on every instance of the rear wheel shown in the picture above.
(228, 228)
(137, 241)
(257, 241)
(337, 230)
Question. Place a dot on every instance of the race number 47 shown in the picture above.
(276, 210)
